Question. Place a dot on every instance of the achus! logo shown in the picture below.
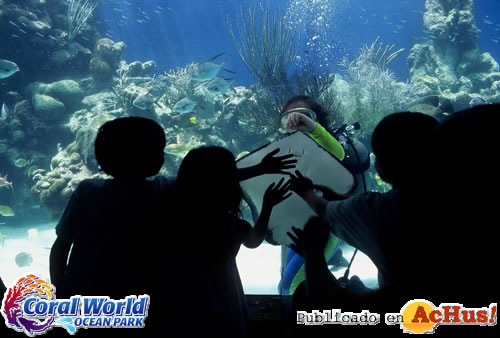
(30, 306)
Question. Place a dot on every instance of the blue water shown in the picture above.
(177, 32)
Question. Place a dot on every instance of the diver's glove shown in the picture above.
(300, 184)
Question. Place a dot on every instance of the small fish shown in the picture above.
(488, 21)
(52, 37)
(218, 86)
(477, 101)
(184, 120)
(13, 24)
(7, 68)
(6, 211)
(494, 41)
(21, 163)
(4, 114)
(23, 31)
(15, 36)
(5, 183)
(207, 71)
(40, 35)
(145, 102)
(23, 259)
(184, 106)
(33, 235)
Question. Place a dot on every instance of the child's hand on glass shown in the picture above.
(276, 193)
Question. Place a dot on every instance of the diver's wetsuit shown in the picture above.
(292, 264)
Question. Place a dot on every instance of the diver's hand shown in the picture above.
(277, 165)
(301, 122)
(312, 240)
(276, 193)
(300, 184)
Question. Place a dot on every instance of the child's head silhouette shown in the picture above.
(400, 143)
(130, 147)
(209, 175)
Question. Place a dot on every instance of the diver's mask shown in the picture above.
(283, 118)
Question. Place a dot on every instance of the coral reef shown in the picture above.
(40, 28)
(52, 124)
(55, 187)
(450, 64)
(106, 59)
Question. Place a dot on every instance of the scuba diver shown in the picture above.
(302, 113)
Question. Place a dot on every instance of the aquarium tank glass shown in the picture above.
(217, 72)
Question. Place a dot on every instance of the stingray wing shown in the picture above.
(313, 162)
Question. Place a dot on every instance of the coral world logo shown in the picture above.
(30, 306)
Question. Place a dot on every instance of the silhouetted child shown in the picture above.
(105, 220)
(206, 240)
(372, 221)
(3, 328)
(463, 209)
(2, 290)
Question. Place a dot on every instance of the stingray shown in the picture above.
(313, 162)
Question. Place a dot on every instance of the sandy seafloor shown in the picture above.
(259, 268)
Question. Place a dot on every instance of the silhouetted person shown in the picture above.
(107, 222)
(372, 221)
(2, 289)
(463, 211)
(3, 328)
(205, 241)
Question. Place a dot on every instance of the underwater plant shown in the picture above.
(369, 90)
(266, 52)
(379, 56)
(307, 81)
(256, 115)
(181, 84)
(79, 12)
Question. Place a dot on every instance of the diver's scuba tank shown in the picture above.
(357, 157)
